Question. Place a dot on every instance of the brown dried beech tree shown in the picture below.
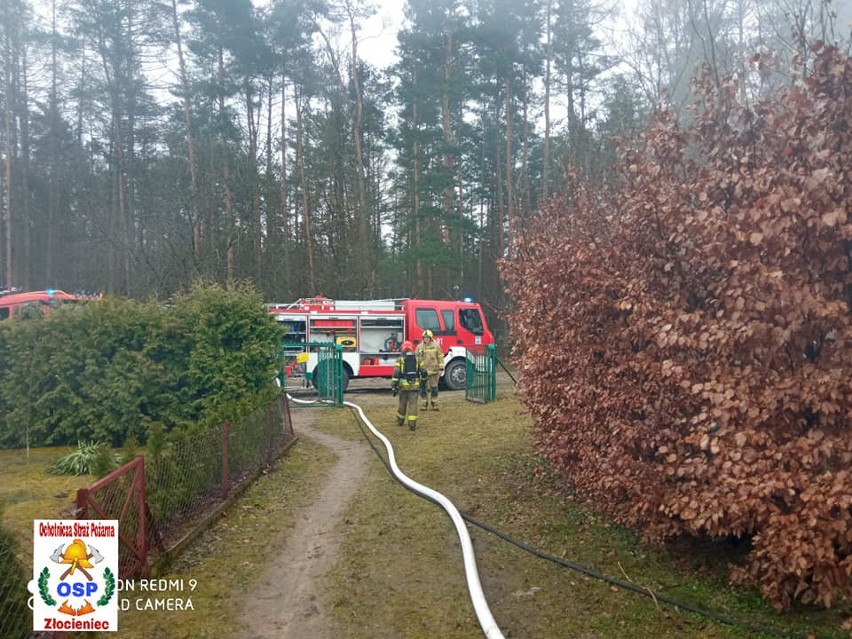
(687, 340)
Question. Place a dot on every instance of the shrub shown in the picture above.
(104, 371)
(90, 458)
(686, 339)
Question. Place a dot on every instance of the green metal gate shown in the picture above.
(481, 368)
(327, 376)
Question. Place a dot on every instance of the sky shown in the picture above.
(378, 35)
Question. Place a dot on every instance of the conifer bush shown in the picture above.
(685, 336)
(106, 371)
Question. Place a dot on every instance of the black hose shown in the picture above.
(626, 585)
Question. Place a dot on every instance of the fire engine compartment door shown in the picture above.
(380, 337)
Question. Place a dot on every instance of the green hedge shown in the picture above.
(109, 370)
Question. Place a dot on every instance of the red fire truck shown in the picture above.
(17, 304)
(371, 332)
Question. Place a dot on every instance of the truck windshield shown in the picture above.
(470, 319)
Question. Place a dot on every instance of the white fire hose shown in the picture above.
(477, 597)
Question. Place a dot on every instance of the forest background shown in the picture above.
(147, 144)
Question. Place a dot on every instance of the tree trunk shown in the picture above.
(10, 65)
(26, 212)
(118, 235)
(269, 209)
(8, 230)
(231, 231)
(53, 159)
(303, 185)
(526, 198)
(447, 160)
(545, 169)
(197, 233)
(362, 253)
(510, 194)
(461, 234)
(421, 286)
(285, 213)
(498, 218)
(256, 228)
(128, 181)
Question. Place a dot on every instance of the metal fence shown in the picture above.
(159, 500)
(328, 377)
(481, 374)
(328, 374)
(121, 495)
(181, 484)
(16, 620)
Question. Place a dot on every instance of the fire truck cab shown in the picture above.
(370, 333)
(16, 304)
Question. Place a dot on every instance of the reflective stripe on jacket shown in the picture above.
(431, 357)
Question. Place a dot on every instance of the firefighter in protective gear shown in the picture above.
(432, 358)
(407, 375)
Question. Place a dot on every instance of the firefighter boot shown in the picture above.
(400, 421)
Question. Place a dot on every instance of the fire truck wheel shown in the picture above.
(455, 375)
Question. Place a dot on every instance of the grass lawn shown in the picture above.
(28, 492)
(400, 573)
(227, 558)
(223, 561)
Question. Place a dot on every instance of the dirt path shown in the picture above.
(292, 605)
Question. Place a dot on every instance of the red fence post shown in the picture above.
(82, 503)
(226, 473)
(142, 531)
(90, 505)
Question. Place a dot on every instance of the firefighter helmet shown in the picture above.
(76, 555)
(406, 346)
(428, 333)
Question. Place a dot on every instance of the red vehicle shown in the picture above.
(371, 332)
(17, 304)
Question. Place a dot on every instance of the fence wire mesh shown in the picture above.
(258, 440)
(185, 478)
(184, 481)
(121, 495)
(481, 374)
(329, 377)
(16, 620)
(191, 477)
